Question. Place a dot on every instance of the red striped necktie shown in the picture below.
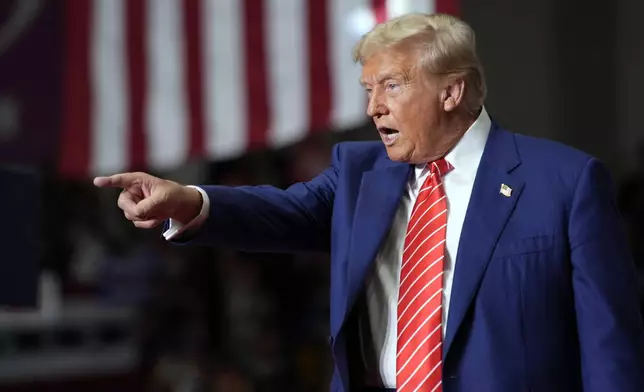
(420, 299)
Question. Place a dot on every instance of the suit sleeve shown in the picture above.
(269, 219)
(608, 320)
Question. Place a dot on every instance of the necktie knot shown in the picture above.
(440, 167)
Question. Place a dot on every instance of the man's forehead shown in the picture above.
(377, 70)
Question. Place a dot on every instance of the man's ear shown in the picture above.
(453, 93)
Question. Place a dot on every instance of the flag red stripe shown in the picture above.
(137, 81)
(379, 8)
(75, 134)
(194, 75)
(256, 78)
(319, 67)
(451, 7)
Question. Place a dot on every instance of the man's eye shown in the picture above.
(392, 86)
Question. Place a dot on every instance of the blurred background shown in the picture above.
(238, 92)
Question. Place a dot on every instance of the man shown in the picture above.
(463, 257)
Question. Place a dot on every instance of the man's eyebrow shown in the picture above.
(386, 76)
(391, 75)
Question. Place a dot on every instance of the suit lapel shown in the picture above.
(378, 200)
(487, 215)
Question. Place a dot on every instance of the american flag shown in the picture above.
(151, 84)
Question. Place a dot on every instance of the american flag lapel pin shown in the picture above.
(505, 190)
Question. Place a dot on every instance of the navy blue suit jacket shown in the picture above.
(544, 293)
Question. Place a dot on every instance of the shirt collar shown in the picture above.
(466, 155)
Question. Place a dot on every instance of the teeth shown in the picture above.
(390, 137)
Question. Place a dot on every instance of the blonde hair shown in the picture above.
(446, 43)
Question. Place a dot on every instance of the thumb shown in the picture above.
(146, 208)
(122, 180)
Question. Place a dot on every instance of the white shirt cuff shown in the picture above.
(175, 228)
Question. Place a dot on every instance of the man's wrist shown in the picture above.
(190, 207)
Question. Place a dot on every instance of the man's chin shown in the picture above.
(397, 154)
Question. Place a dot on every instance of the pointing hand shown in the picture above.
(148, 201)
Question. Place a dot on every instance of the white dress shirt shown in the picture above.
(382, 286)
(175, 228)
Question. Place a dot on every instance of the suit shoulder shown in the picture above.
(360, 152)
(554, 152)
(555, 164)
(368, 147)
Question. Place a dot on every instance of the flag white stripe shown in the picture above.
(287, 70)
(425, 6)
(109, 137)
(226, 130)
(349, 19)
(399, 7)
(166, 110)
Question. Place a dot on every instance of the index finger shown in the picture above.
(122, 180)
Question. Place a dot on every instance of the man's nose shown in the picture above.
(375, 107)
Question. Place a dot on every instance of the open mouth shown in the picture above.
(388, 135)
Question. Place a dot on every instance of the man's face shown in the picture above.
(405, 104)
